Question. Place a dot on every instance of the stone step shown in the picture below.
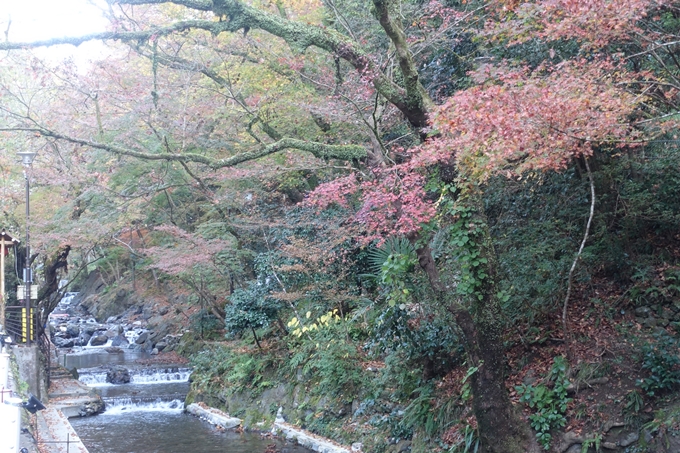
(60, 377)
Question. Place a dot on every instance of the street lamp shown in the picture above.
(26, 160)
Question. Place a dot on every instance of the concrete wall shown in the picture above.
(31, 370)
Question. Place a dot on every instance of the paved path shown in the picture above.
(52, 432)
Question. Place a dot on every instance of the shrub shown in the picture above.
(661, 360)
(550, 404)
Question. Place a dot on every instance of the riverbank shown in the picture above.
(331, 385)
(49, 431)
(289, 432)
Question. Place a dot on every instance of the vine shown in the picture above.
(467, 233)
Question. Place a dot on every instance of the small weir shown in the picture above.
(118, 406)
(97, 377)
(146, 413)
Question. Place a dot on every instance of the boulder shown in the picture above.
(62, 342)
(114, 331)
(73, 330)
(142, 338)
(119, 340)
(118, 375)
(99, 340)
(83, 339)
(161, 345)
(147, 346)
(628, 439)
(643, 312)
(91, 408)
(89, 329)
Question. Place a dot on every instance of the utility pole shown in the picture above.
(26, 160)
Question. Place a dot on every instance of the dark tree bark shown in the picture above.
(501, 427)
(47, 294)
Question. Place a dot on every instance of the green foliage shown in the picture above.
(393, 246)
(321, 322)
(391, 264)
(399, 377)
(466, 389)
(221, 370)
(634, 402)
(247, 371)
(429, 414)
(639, 202)
(660, 359)
(330, 360)
(466, 234)
(424, 340)
(549, 403)
(391, 275)
(665, 423)
(206, 323)
(420, 334)
(595, 442)
(469, 442)
(250, 308)
(536, 224)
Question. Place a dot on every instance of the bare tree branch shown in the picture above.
(570, 278)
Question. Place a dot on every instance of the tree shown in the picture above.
(522, 113)
(400, 86)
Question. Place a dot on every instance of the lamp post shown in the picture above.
(26, 160)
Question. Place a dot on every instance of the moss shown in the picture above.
(189, 344)
(190, 398)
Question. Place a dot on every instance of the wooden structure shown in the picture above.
(6, 242)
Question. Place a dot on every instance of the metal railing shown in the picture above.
(68, 442)
(15, 323)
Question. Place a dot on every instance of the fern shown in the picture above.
(395, 245)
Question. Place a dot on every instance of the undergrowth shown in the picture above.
(549, 401)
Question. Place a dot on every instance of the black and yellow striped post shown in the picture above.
(28, 332)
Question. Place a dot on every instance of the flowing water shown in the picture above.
(147, 415)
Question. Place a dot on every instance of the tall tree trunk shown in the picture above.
(48, 292)
(476, 310)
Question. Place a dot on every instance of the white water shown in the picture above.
(60, 316)
(154, 376)
(121, 406)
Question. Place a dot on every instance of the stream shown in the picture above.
(147, 415)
